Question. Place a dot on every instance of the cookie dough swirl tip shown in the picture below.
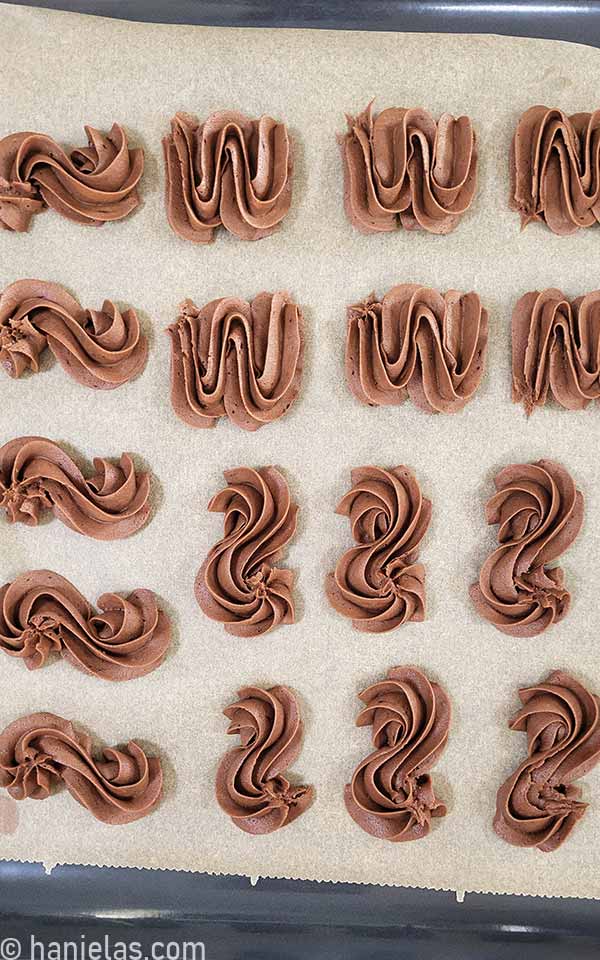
(251, 786)
(41, 751)
(391, 794)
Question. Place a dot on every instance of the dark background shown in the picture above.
(285, 919)
(566, 20)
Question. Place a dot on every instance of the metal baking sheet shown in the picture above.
(230, 916)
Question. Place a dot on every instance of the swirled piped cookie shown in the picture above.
(539, 513)
(228, 171)
(378, 584)
(402, 168)
(539, 804)
(252, 786)
(239, 584)
(554, 169)
(91, 185)
(391, 793)
(417, 344)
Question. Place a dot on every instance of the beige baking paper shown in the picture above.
(62, 71)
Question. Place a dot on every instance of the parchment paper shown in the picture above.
(63, 70)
